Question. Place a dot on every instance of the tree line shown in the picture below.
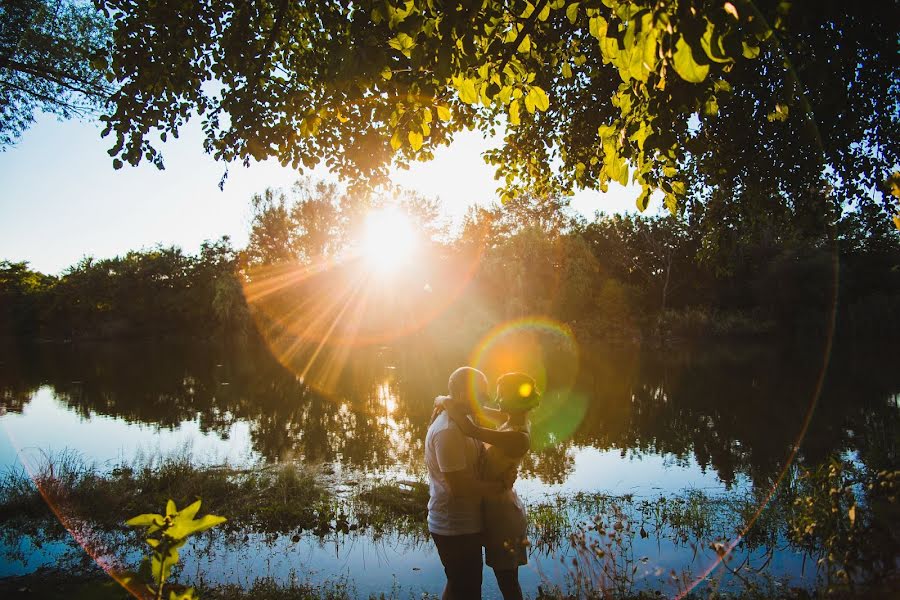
(621, 276)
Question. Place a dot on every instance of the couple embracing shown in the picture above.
(471, 470)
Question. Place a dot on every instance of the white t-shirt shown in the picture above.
(446, 450)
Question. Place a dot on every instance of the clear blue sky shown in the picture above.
(60, 198)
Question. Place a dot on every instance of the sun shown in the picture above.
(389, 239)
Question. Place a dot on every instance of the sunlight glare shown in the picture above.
(389, 239)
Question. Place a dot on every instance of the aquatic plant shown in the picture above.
(166, 534)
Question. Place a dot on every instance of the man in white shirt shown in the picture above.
(454, 506)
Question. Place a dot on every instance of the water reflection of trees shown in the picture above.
(734, 413)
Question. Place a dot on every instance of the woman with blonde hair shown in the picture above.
(505, 521)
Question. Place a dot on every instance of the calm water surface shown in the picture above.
(618, 420)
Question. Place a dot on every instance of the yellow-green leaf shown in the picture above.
(685, 65)
(403, 43)
(525, 45)
(712, 45)
(567, 70)
(542, 16)
(170, 508)
(529, 102)
(467, 91)
(597, 27)
(190, 511)
(396, 141)
(415, 140)
(386, 73)
(514, 113)
(671, 203)
(443, 112)
(780, 113)
(185, 528)
(893, 184)
(572, 12)
(643, 199)
(749, 51)
(540, 99)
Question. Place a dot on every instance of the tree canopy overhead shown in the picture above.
(52, 60)
(585, 92)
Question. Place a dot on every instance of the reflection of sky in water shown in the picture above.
(46, 425)
(376, 566)
(373, 566)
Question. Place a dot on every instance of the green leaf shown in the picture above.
(415, 140)
(545, 13)
(617, 169)
(190, 511)
(712, 45)
(525, 45)
(117, 164)
(643, 199)
(540, 99)
(529, 103)
(187, 527)
(671, 203)
(640, 136)
(779, 114)
(597, 27)
(711, 107)
(403, 43)
(893, 184)
(685, 65)
(750, 51)
(514, 108)
(572, 12)
(467, 91)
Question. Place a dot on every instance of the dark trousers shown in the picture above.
(461, 557)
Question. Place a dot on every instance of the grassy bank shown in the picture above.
(850, 540)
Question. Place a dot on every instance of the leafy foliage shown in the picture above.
(52, 59)
(587, 92)
(166, 534)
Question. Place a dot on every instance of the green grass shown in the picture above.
(277, 499)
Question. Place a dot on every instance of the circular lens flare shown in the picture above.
(547, 351)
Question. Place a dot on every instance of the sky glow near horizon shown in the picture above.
(61, 199)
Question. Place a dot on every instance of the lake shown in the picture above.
(639, 425)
